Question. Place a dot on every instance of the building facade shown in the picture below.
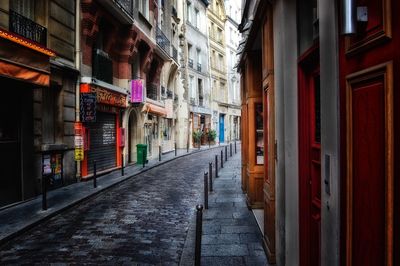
(39, 68)
(232, 37)
(320, 99)
(130, 63)
(195, 112)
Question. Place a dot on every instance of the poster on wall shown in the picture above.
(137, 91)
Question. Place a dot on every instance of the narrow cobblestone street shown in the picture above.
(143, 220)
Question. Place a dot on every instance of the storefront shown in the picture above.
(103, 136)
(24, 68)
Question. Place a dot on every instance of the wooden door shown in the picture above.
(269, 133)
(369, 100)
(310, 158)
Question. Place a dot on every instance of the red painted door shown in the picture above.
(310, 158)
(369, 106)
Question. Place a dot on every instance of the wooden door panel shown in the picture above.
(368, 168)
(369, 199)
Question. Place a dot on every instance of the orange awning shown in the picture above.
(29, 75)
(154, 109)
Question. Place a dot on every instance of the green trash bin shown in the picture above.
(141, 153)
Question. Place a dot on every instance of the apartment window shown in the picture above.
(198, 56)
(222, 92)
(196, 18)
(144, 8)
(220, 62)
(25, 8)
(220, 37)
(189, 12)
(200, 92)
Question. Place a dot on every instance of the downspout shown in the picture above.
(77, 67)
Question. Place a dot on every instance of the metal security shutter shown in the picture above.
(102, 142)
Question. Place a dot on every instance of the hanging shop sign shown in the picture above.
(88, 107)
(137, 91)
(105, 96)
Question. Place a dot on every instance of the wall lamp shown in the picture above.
(352, 16)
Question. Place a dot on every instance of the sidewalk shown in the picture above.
(230, 232)
(21, 217)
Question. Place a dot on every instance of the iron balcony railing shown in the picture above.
(174, 53)
(162, 40)
(27, 28)
(199, 67)
(102, 66)
(151, 92)
(126, 5)
(190, 63)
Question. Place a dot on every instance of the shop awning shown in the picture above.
(154, 109)
(24, 59)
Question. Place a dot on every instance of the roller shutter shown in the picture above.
(102, 142)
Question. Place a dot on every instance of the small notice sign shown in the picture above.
(78, 154)
(88, 107)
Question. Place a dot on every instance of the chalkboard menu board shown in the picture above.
(88, 107)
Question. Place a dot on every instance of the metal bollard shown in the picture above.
(222, 159)
(199, 229)
(216, 166)
(94, 174)
(187, 147)
(226, 153)
(159, 153)
(199, 144)
(144, 159)
(206, 190)
(230, 149)
(44, 192)
(122, 165)
(176, 151)
(235, 147)
(210, 175)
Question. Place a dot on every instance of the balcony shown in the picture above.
(162, 41)
(102, 66)
(27, 28)
(152, 92)
(199, 67)
(190, 63)
(174, 53)
(122, 10)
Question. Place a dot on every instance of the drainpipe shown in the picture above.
(78, 67)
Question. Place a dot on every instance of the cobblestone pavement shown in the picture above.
(139, 222)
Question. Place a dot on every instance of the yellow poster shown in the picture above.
(78, 154)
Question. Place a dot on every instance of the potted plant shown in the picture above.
(211, 136)
(197, 138)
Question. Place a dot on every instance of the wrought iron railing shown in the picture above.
(102, 67)
(162, 40)
(174, 53)
(199, 67)
(126, 5)
(152, 92)
(27, 28)
(190, 62)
